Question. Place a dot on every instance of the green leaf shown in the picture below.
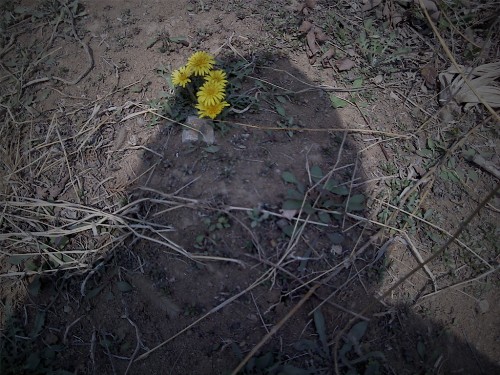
(178, 39)
(212, 149)
(428, 213)
(338, 102)
(356, 203)
(169, 82)
(473, 175)
(292, 205)
(328, 203)
(288, 230)
(430, 144)
(434, 237)
(289, 177)
(319, 322)
(469, 153)
(39, 323)
(294, 195)
(151, 42)
(17, 259)
(316, 173)
(34, 286)
(305, 345)
(32, 362)
(421, 349)
(324, 217)
(357, 331)
(336, 238)
(264, 361)
(123, 286)
(281, 99)
(280, 109)
(358, 82)
(308, 209)
(94, 292)
(21, 10)
(425, 153)
(338, 190)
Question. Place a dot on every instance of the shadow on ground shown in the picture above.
(218, 228)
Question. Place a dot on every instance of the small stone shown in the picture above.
(198, 129)
(483, 306)
(336, 249)
(378, 79)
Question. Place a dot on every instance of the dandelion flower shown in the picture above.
(211, 93)
(180, 77)
(200, 63)
(211, 110)
(218, 76)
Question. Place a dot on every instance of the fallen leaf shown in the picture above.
(351, 52)
(482, 79)
(370, 4)
(391, 14)
(429, 74)
(320, 34)
(305, 27)
(431, 7)
(311, 42)
(310, 4)
(329, 54)
(345, 64)
(325, 59)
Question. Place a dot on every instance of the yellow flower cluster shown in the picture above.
(212, 92)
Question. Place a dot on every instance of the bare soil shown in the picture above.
(210, 259)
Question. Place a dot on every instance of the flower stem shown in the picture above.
(191, 93)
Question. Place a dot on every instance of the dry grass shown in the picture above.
(43, 232)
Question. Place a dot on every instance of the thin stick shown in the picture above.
(420, 260)
(214, 310)
(275, 329)
(137, 347)
(438, 253)
(77, 196)
(461, 283)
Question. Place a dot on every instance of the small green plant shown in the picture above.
(257, 216)
(209, 239)
(378, 48)
(352, 354)
(327, 202)
(19, 352)
(212, 93)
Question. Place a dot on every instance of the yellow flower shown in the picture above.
(200, 63)
(211, 110)
(211, 93)
(218, 76)
(180, 77)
